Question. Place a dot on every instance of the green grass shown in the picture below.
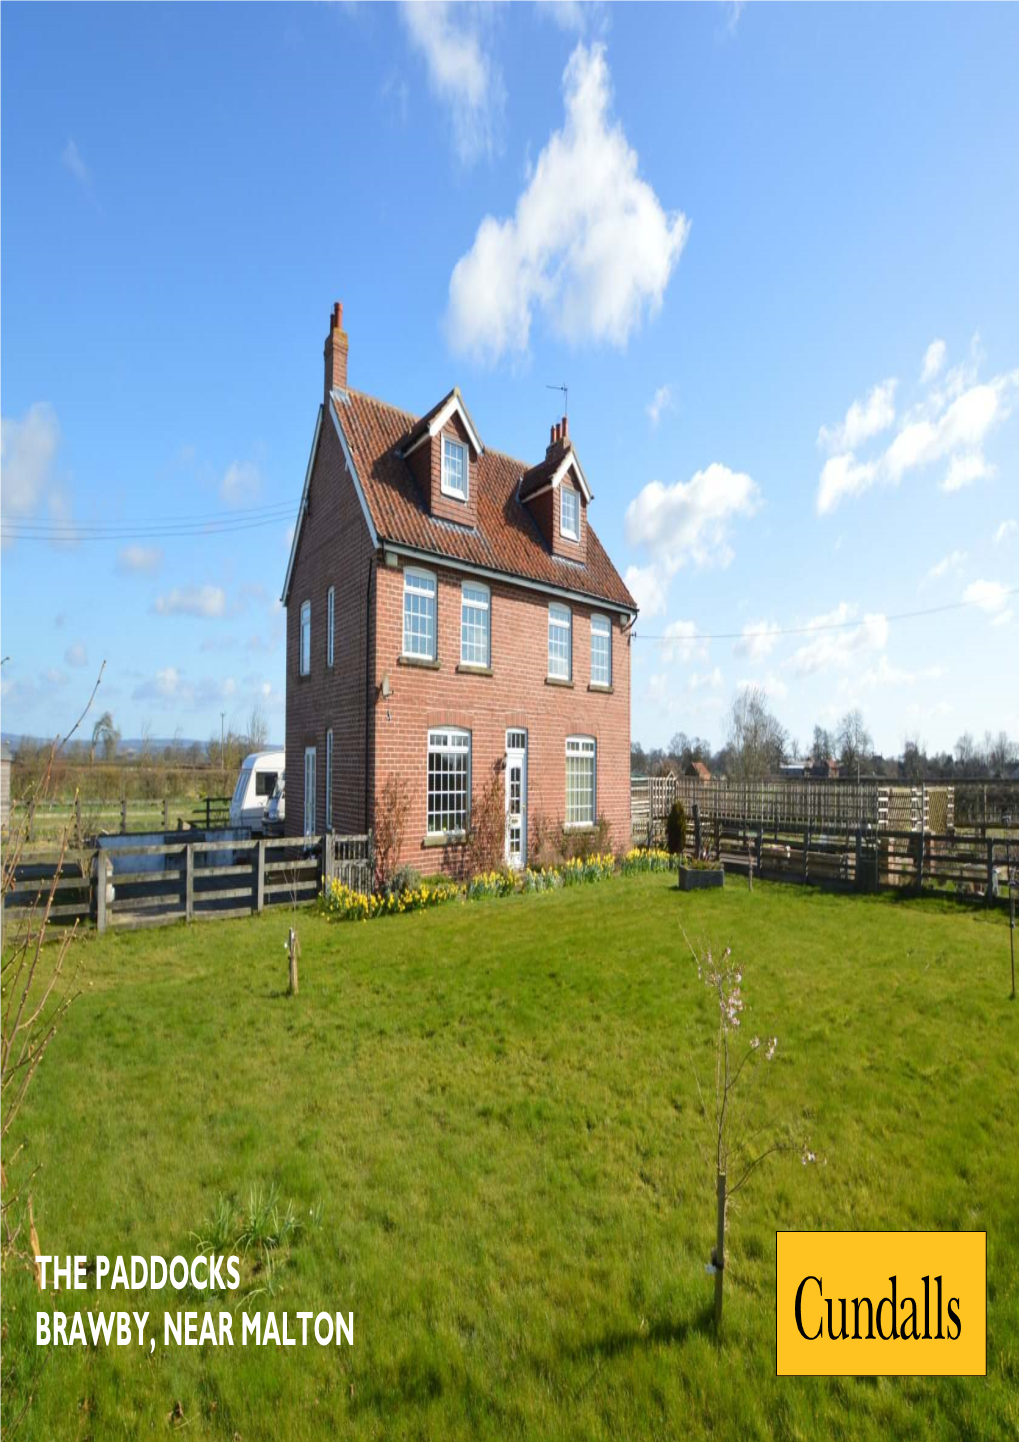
(486, 1120)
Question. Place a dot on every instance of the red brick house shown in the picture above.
(451, 616)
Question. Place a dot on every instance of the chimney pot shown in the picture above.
(563, 429)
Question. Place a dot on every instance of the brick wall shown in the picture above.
(516, 694)
(334, 550)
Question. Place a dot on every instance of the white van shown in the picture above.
(255, 785)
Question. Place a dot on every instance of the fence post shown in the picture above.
(260, 874)
(858, 876)
(697, 829)
(717, 852)
(991, 881)
(166, 813)
(189, 882)
(77, 818)
(100, 891)
(208, 823)
(123, 815)
(807, 848)
(759, 849)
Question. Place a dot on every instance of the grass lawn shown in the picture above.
(487, 1118)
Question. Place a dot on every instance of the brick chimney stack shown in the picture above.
(336, 353)
(558, 438)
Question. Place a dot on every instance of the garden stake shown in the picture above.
(719, 1255)
(293, 951)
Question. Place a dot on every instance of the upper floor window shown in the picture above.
(330, 598)
(455, 469)
(420, 615)
(559, 642)
(329, 779)
(449, 782)
(305, 644)
(570, 514)
(474, 624)
(601, 651)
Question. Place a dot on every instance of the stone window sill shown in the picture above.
(606, 690)
(452, 838)
(559, 681)
(418, 661)
(465, 669)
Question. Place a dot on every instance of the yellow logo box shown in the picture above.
(880, 1304)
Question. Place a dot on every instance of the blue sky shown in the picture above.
(772, 251)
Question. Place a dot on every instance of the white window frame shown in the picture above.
(305, 639)
(329, 779)
(447, 487)
(562, 619)
(330, 623)
(309, 818)
(575, 534)
(602, 627)
(440, 742)
(420, 583)
(580, 746)
(475, 599)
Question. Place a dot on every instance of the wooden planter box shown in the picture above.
(696, 878)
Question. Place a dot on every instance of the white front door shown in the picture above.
(516, 799)
(309, 790)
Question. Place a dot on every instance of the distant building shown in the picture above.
(699, 771)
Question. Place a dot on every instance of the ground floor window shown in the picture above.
(580, 781)
(449, 781)
(309, 790)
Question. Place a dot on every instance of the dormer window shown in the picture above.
(455, 469)
(570, 514)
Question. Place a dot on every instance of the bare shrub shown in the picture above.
(486, 849)
(391, 816)
(546, 845)
(590, 842)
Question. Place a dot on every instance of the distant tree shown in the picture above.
(1000, 755)
(915, 760)
(638, 759)
(853, 741)
(106, 735)
(146, 739)
(822, 747)
(966, 753)
(757, 741)
(258, 728)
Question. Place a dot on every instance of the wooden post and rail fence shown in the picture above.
(131, 885)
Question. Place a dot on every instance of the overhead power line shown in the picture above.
(683, 637)
(152, 527)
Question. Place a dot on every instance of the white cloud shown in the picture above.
(773, 686)
(589, 242)
(883, 673)
(691, 520)
(701, 680)
(137, 558)
(241, 484)
(953, 562)
(76, 654)
(206, 601)
(681, 642)
(71, 157)
(964, 471)
(572, 16)
(843, 476)
(863, 420)
(760, 639)
(989, 596)
(647, 585)
(171, 689)
(1004, 531)
(934, 360)
(462, 74)
(950, 423)
(661, 401)
(27, 449)
(840, 640)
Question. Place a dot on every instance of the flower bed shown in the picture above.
(645, 858)
(342, 903)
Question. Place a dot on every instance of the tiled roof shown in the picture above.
(506, 538)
